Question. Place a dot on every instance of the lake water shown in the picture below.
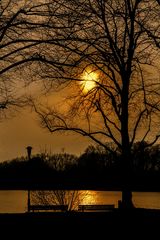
(16, 201)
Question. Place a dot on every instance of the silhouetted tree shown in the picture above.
(140, 157)
(97, 158)
(146, 159)
(61, 161)
(152, 163)
(17, 53)
(113, 45)
(71, 198)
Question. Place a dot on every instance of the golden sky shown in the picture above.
(24, 130)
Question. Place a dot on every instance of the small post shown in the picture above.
(29, 150)
(28, 202)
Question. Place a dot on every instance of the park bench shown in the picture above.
(33, 208)
(81, 207)
(45, 207)
(96, 207)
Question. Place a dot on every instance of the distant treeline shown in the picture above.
(94, 169)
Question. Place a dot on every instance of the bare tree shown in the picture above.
(12, 53)
(18, 51)
(71, 198)
(112, 46)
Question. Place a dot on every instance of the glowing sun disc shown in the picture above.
(89, 81)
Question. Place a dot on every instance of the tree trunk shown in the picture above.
(126, 178)
(127, 199)
(126, 150)
(126, 202)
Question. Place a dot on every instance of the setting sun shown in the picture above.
(89, 80)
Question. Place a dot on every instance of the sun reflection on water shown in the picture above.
(100, 197)
(88, 197)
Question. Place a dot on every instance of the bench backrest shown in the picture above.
(96, 207)
(48, 207)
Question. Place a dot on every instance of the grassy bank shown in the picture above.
(76, 224)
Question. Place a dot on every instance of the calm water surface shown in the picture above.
(16, 201)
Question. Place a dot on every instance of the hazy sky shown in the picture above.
(23, 130)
